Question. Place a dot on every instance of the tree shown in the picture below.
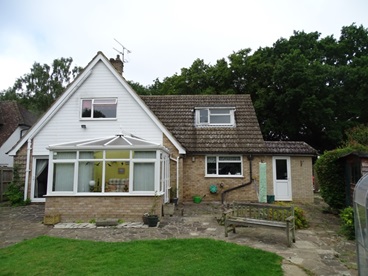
(38, 89)
(304, 88)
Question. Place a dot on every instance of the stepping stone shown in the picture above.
(106, 222)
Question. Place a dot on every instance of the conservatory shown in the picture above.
(121, 165)
(361, 223)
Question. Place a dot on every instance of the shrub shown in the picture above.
(300, 219)
(347, 223)
(14, 192)
(299, 214)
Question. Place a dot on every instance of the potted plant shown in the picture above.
(152, 217)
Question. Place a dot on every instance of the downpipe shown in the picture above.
(250, 158)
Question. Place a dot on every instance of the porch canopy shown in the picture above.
(115, 165)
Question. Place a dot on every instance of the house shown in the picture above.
(102, 151)
(15, 121)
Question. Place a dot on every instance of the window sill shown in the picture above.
(98, 119)
(102, 194)
(224, 176)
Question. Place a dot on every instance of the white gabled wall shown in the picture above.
(65, 125)
(5, 159)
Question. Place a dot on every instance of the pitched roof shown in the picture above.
(177, 114)
(13, 115)
(290, 147)
(74, 85)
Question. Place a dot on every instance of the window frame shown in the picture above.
(218, 161)
(113, 101)
(211, 114)
(153, 159)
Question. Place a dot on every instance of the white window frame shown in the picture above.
(211, 114)
(94, 101)
(222, 161)
(155, 160)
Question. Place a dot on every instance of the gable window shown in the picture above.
(98, 108)
(224, 165)
(215, 117)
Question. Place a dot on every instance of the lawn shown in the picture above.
(57, 256)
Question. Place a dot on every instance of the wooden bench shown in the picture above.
(258, 214)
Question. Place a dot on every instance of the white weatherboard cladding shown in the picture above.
(65, 125)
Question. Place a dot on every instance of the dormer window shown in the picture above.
(100, 108)
(214, 116)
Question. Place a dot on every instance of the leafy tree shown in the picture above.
(140, 89)
(303, 88)
(38, 89)
(357, 135)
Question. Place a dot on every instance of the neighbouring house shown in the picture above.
(15, 121)
(355, 165)
(103, 151)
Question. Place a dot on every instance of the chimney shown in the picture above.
(118, 64)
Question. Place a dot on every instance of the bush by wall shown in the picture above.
(14, 192)
(330, 174)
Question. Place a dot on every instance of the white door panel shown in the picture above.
(282, 179)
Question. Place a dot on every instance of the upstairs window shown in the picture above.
(215, 117)
(98, 108)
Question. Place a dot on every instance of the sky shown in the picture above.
(162, 36)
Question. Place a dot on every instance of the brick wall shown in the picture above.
(78, 208)
(302, 179)
(195, 182)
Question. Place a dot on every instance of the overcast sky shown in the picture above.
(162, 35)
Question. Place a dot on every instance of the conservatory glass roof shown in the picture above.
(118, 141)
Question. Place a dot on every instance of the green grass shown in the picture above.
(56, 256)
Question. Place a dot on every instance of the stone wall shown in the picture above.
(20, 162)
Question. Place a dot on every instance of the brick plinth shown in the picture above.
(84, 209)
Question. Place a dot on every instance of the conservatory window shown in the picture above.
(106, 171)
(98, 108)
(144, 177)
(63, 177)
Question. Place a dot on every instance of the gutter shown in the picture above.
(250, 158)
(29, 147)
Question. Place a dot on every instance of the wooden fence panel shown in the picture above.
(6, 176)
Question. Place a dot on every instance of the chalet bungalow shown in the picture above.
(102, 151)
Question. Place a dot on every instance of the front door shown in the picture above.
(281, 178)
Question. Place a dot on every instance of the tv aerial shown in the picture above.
(125, 50)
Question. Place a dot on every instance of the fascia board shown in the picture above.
(54, 108)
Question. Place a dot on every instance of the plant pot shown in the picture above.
(145, 219)
(152, 220)
(174, 200)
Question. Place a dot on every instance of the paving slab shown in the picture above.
(318, 250)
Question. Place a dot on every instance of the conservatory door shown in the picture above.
(40, 174)
(281, 178)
